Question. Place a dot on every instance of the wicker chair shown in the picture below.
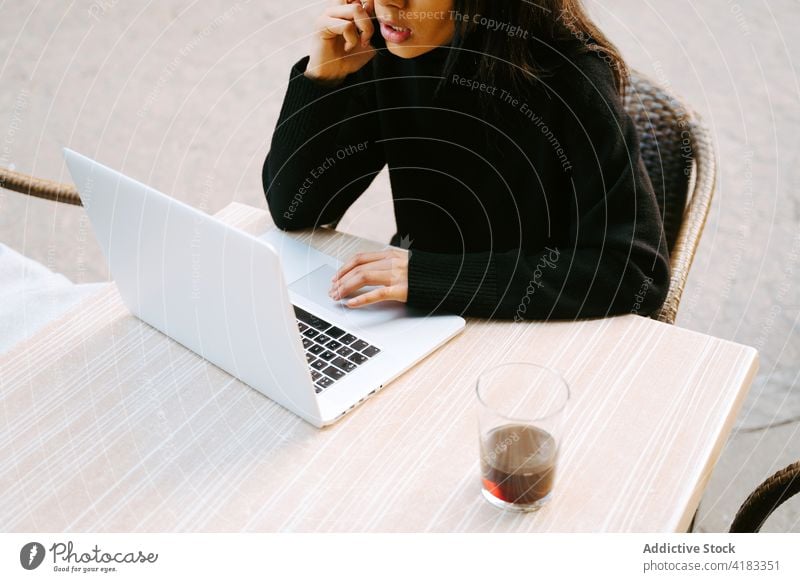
(678, 153)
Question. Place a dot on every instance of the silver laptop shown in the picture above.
(257, 307)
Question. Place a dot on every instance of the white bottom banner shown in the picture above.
(240, 557)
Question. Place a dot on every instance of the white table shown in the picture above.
(107, 425)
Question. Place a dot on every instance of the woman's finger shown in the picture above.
(392, 293)
(333, 27)
(358, 15)
(386, 263)
(367, 5)
(361, 259)
(358, 279)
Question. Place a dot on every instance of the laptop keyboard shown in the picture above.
(332, 353)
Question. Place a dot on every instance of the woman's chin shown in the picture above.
(407, 51)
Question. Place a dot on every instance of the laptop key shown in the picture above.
(359, 345)
(327, 355)
(358, 358)
(315, 375)
(310, 319)
(370, 351)
(302, 326)
(334, 373)
(347, 339)
(345, 365)
(335, 332)
(333, 345)
(307, 342)
(316, 348)
(344, 351)
(319, 364)
(324, 382)
(321, 338)
(310, 358)
(310, 333)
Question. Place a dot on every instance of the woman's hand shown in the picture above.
(387, 268)
(341, 46)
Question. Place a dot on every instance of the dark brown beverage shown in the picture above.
(518, 463)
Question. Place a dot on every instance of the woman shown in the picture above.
(517, 183)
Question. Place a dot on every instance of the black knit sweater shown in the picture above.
(525, 206)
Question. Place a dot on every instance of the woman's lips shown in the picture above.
(395, 34)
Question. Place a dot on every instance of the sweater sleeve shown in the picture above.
(614, 260)
(323, 154)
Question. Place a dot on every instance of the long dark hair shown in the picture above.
(504, 37)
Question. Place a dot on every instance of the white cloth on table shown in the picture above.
(31, 296)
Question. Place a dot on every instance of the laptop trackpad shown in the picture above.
(315, 286)
(297, 258)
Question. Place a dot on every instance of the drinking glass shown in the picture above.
(521, 410)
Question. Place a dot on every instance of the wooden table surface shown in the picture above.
(108, 425)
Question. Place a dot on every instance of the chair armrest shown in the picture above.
(766, 498)
(695, 216)
(39, 187)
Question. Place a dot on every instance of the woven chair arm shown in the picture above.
(39, 187)
(767, 498)
(694, 221)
